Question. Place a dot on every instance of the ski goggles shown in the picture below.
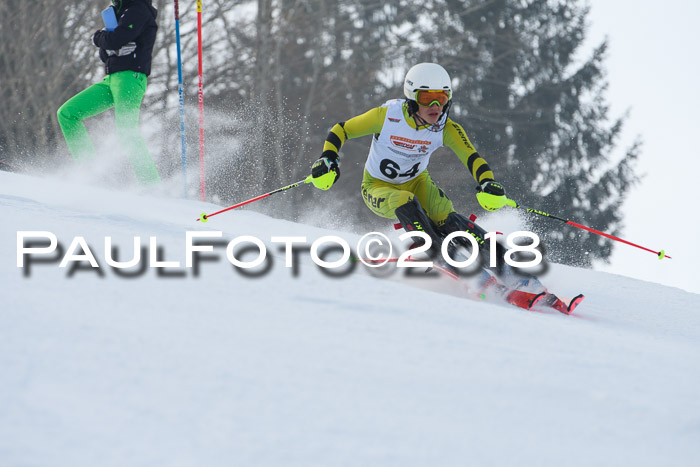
(428, 98)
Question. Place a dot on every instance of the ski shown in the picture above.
(530, 300)
(493, 286)
(519, 298)
(525, 300)
(566, 306)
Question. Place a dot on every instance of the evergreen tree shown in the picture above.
(539, 117)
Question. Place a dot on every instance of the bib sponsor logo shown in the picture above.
(410, 144)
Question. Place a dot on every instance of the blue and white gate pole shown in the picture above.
(181, 92)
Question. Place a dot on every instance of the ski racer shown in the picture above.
(126, 52)
(396, 182)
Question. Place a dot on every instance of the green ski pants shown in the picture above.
(383, 197)
(124, 91)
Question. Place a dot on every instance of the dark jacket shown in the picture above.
(136, 23)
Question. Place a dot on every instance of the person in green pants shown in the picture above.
(126, 52)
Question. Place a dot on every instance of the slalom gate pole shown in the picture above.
(204, 217)
(181, 93)
(660, 254)
(201, 102)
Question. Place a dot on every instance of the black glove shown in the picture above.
(96, 36)
(492, 188)
(325, 172)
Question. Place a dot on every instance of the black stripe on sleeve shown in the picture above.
(334, 140)
(345, 133)
(470, 162)
(480, 171)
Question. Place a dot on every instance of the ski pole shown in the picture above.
(204, 217)
(10, 165)
(660, 254)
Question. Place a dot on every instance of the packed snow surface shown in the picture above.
(205, 366)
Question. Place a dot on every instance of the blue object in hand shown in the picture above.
(110, 18)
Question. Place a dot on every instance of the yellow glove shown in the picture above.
(325, 172)
(491, 195)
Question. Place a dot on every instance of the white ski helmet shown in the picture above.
(426, 76)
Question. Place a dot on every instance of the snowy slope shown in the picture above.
(297, 368)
